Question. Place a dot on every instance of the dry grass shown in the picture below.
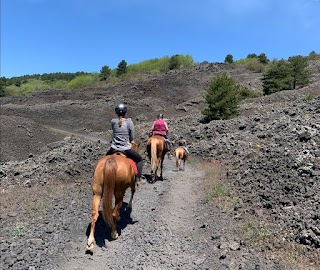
(293, 257)
(32, 200)
(256, 229)
(218, 189)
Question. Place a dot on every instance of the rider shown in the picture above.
(160, 127)
(183, 143)
(123, 134)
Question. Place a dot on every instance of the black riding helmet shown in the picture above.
(160, 116)
(121, 109)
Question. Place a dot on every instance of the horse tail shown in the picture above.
(109, 177)
(154, 156)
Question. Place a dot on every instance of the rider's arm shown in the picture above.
(165, 124)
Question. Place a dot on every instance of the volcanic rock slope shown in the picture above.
(51, 140)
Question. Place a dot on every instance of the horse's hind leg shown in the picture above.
(161, 167)
(129, 206)
(94, 217)
(116, 217)
(177, 164)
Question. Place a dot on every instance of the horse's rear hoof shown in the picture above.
(90, 248)
(114, 236)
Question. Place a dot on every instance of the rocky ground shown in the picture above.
(269, 218)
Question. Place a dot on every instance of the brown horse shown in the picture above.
(157, 149)
(181, 155)
(112, 176)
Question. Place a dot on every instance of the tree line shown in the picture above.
(24, 85)
(223, 94)
(278, 74)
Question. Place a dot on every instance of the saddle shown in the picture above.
(133, 164)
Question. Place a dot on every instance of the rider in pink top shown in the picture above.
(160, 127)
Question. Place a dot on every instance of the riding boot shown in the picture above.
(140, 181)
(139, 176)
(169, 149)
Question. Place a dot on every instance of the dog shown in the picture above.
(181, 154)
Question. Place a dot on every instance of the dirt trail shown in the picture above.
(166, 230)
(81, 136)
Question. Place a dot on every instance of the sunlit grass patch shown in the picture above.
(255, 232)
(18, 229)
(310, 97)
(293, 256)
(217, 188)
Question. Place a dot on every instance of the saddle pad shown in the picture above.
(134, 166)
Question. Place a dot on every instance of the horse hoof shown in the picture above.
(115, 236)
(90, 248)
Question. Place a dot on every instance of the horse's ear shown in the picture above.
(136, 143)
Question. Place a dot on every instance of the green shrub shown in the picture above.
(252, 64)
(310, 97)
(245, 93)
(151, 66)
(255, 65)
(83, 81)
(58, 84)
(180, 61)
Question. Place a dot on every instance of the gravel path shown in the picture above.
(167, 230)
(171, 227)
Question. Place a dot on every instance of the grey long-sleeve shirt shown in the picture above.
(122, 135)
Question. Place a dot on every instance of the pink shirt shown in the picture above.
(159, 127)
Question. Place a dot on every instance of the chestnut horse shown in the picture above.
(181, 155)
(157, 149)
(112, 176)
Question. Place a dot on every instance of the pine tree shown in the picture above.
(105, 73)
(229, 59)
(300, 73)
(222, 96)
(263, 58)
(122, 68)
(277, 78)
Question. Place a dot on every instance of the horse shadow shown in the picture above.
(103, 231)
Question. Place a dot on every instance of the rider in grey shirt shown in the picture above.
(123, 134)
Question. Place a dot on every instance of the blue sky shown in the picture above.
(46, 36)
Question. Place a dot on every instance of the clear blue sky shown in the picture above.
(46, 36)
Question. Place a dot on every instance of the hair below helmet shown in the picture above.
(121, 109)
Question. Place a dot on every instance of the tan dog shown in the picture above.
(181, 155)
